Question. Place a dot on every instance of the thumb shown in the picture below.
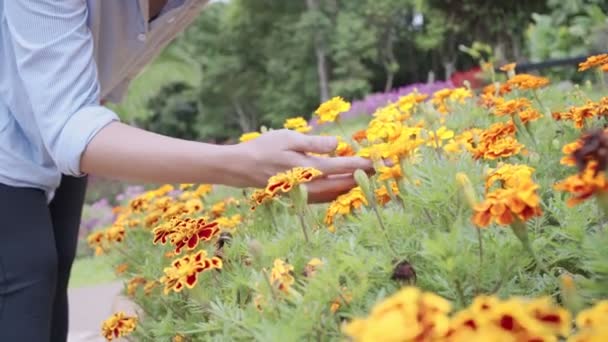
(313, 143)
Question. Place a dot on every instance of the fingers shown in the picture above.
(312, 143)
(327, 189)
(340, 165)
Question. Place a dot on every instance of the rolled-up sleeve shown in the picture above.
(55, 60)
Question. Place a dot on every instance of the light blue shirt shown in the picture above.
(58, 59)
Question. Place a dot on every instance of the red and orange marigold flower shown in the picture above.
(184, 271)
(118, 325)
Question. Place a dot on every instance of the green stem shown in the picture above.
(385, 232)
(304, 228)
(521, 231)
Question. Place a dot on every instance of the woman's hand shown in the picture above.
(122, 152)
(281, 150)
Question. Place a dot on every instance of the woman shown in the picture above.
(58, 59)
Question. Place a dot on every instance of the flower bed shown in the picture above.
(485, 221)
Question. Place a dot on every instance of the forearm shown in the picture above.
(123, 152)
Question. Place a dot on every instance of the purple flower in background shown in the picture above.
(130, 192)
(369, 104)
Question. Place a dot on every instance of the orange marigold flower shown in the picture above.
(511, 107)
(344, 298)
(359, 135)
(526, 81)
(584, 185)
(285, 181)
(184, 271)
(118, 325)
(382, 194)
(503, 206)
(330, 110)
(508, 67)
(344, 149)
(122, 268)
(496, 89)
(568, 151)
(529, 115)
(501, 148)
(593, 62)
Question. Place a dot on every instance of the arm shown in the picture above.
(54, 52)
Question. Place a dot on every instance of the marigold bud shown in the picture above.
(467, 189)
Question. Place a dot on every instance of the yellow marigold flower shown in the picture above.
(194, 205)
(441, 97)
(118, 325)
(392, 172)
(178, 338)
(508, 67)
(508, 175)
(249, 136)
(139, 204)
(375, 152)
(593, 62)
(122, 268)
(285, 181)
(281, 275)
(116, 233)
(229, 222)
(408, 315)
(95, 240)
(186, 186)
(503, 206)
(311, 267)
(259, 197)
(344, 204)
(408, 102)
(184, 271)
(584, 185)
(380, 130)
(594, 317)
(298, 124)
(133, 284)
(526, 81)
(218, 209)
(203, 189)
(330, 110)
(511, 107)
(437, 137)
(552, 318)
(149, 287)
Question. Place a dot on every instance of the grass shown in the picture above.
(91, 271)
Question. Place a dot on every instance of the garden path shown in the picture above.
(90, 305)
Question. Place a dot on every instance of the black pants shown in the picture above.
(37, 248)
